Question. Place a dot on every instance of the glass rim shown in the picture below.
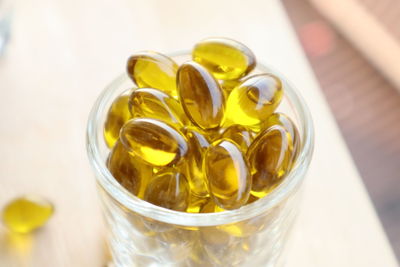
(135, 204)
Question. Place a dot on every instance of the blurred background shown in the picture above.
(353, 48)
(363, 95)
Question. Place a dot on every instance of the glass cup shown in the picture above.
(142, 234)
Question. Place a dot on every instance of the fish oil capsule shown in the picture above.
(270, 156)
(200, 95)
(154, 141)
(27, 213)
(229, 85)
(239, 134)
(131, 172)
(254, 100)
(117, 115)
(153, 103)
(154, 70)
(227, 173)
(168, 189)
(198, 144)
(226, 59)
(283, 120)
(196, 203)
(210, 207)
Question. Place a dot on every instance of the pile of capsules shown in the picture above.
(202, 136)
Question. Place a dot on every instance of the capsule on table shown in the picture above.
(131, 172)
(225, 58)
(168, 189)
(26, 214)
(154, 70)
(154, 141)
(283, 120)
(240, 135)
(200, 95)
(227, 173)
(117, 115)
(198, 145)
(254, 100)
(270, 157)
(153, 103)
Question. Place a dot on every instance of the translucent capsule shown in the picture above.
(117, 115)
(229, 85)
(210, 207)
(283, 120)
(169, 189)
(196, 203)
(131, 172)
(154, 141)
(27, 213)
(270, 156)
(200, 95)
(227, 173)
(198, 144)
(254, 100)
(226, 59)
(153, 103)
(155, 70)
(240, 135)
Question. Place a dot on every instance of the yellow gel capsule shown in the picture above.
(227, 173)
(131, 172)
(196, 203)
(153, 103)
(254, 100)
(200, 95)
(283, 120)
(198, 144)
(169, 189)
(27, 213)
(155, 70)
(209, 206)
(229, 85)
(117, 115)
(270, 157)
(226, 59)
(240, 135)
(154, 141)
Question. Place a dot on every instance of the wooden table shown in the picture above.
(61, 56)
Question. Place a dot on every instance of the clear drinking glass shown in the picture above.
(142, 234)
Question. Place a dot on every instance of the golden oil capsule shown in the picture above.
(200, 95)
(270, 157)
(254, 100)
(168, 189)
(226, 59)
(229, 85)
(26, 214)
(154, 70)
(153, 103)
(209, 206)
(239, 134)
(131, 172)
(117, 115)
(227, 174)
(283, 120)
(198, 144)
(154, 141)
(196, 203)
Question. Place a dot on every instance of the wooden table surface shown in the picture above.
(61, 56)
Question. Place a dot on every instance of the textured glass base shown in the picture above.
(136, 240)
